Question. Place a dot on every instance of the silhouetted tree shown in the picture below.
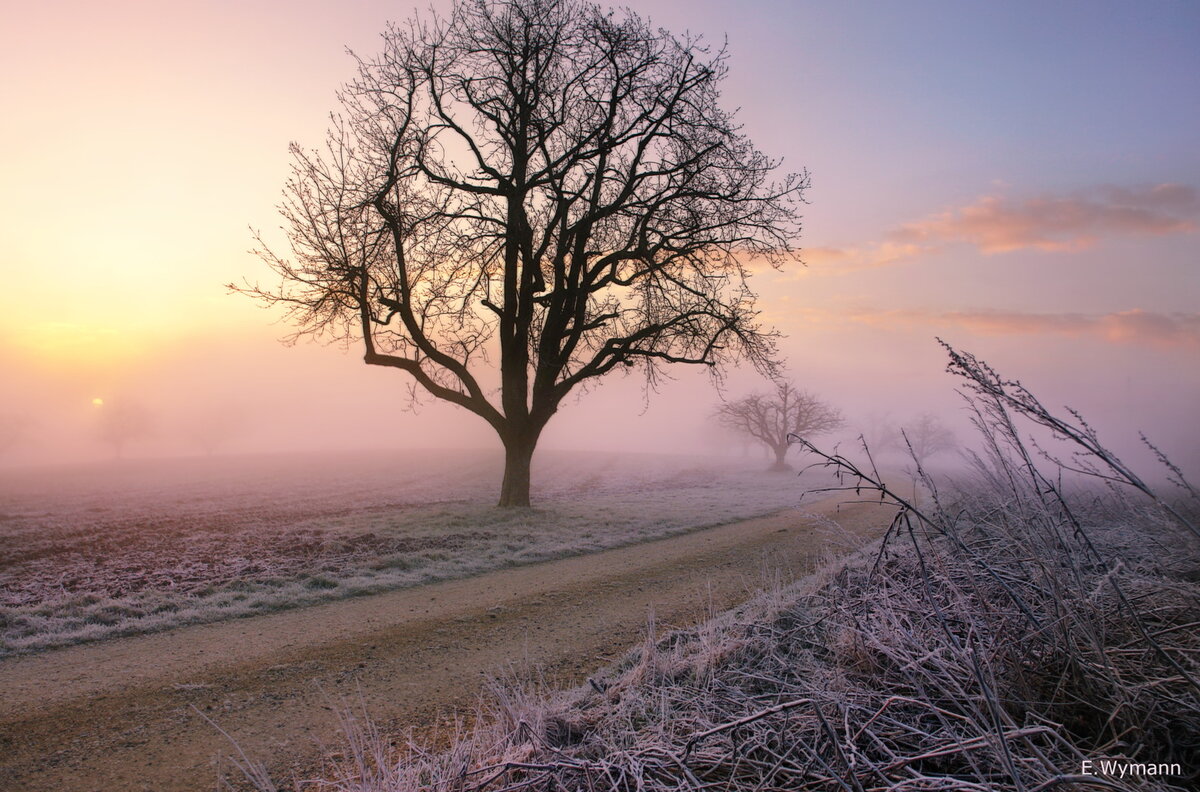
(879, 434)
(12, 431)
(771, 417)
(926, 436)
(542, 183)
(122, 422)
(212, 426)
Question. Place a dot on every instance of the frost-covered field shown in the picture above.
(89, 553)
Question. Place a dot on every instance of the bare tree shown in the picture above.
(878, 434)
(13, 430)
(215, 425)
(122, 422)
(542, 183)
(927, 436)
(771, 417)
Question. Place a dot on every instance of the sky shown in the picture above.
(1021, 179)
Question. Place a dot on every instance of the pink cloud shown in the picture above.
(858, 257)
(1135, 326)
(996, 224)
(999, 224)
(1015, 323)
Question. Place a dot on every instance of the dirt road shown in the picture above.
(119, 715)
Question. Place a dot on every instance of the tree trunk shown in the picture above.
(780, 459)
(518, 454)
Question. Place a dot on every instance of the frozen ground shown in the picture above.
(89, 553)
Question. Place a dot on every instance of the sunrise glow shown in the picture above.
(537, 394)
(988, 206)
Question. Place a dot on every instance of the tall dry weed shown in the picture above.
(1008, 630)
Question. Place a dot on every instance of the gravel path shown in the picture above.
(123, 714)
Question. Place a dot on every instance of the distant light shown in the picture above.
(98, 402)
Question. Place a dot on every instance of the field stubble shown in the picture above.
(92, 553)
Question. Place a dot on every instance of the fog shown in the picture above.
(942, 203)
(254, 395)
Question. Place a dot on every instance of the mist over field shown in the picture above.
(811, 390)
(257, 396)
(1006, 209)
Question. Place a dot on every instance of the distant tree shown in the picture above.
(12, 431)
(122, 422)
(213, 426)
(541, 183)
(927, 436)
(879, 434)
(771, 417)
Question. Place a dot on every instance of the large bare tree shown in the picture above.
(525, 195)
(771, 417)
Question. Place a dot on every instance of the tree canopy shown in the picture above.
(532, 194)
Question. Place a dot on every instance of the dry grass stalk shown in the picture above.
(1002, 634)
